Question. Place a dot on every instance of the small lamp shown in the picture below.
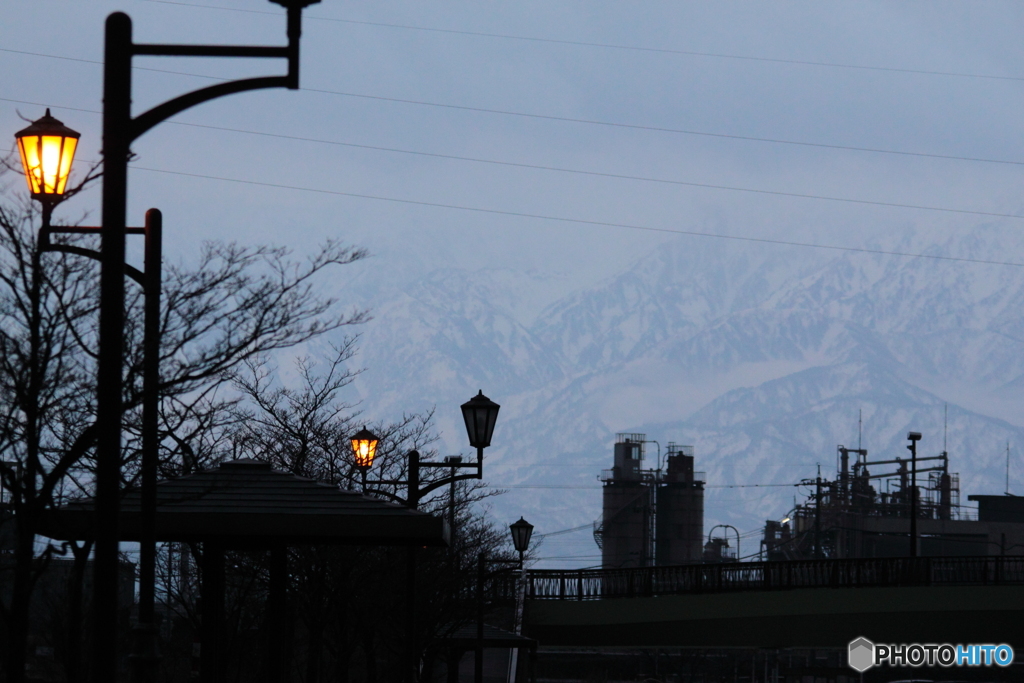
(480, 414)
(47, 149)
(364, 448)
(521, 533)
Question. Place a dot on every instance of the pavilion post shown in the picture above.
(277, 614)
(211, 667)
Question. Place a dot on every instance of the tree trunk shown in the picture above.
(21, 598)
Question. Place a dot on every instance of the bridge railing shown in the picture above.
(591, 584)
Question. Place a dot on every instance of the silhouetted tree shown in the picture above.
(233, 304)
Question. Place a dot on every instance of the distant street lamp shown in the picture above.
(521, 533)
(364, 450)
(480, 415)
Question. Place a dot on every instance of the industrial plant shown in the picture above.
(653, 512)
(650, 516)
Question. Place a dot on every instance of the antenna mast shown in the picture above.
(1007, 468)
(945, 425)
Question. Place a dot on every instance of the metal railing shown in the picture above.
(593, 584)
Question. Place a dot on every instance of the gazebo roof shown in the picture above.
(465, 637)
(246, 502)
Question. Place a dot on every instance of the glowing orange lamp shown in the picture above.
(364, 448)
(47, 149)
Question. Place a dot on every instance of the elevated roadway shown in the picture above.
(824, 603)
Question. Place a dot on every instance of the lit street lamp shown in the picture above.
(364, 450)
(120, 129)
(480, 415)
(47, 148)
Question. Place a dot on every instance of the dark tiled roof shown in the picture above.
(248, 502)
(465, 636)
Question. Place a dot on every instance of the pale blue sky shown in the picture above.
(892, 110)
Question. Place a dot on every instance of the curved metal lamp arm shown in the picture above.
(447, 480)
(129, 270)
(46, 245)
(143, 122)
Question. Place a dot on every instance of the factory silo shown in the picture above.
(626, 529)
(680, 505)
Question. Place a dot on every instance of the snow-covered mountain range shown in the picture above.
(760, 356)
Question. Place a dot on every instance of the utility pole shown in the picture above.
(914, 437)
(817, 517)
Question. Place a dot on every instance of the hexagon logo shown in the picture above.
(861, 656)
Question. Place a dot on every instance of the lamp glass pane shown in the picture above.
(364, 450)
(47, 162)
(30, 161)
(67, 155)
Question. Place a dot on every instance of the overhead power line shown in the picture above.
(566, 119)
(683, 183)
(581, 221)
(628, 226)
(522, 214)
(611, 46)
(395, 150)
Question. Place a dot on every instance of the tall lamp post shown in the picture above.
(120, 129)
(47, 151)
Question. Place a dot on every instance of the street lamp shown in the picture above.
(521, 533)
(47, 149)
(364, 449)
(480, 414)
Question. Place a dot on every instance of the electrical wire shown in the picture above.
(555, 168)
(612, 46)
(566, 531)
(627, 226)
(565, 119)
(580, 221)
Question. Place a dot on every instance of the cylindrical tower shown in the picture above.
(680, 505)
(625, 527)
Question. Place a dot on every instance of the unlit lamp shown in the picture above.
(480, 414)
(47, 149)
(521, 533)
